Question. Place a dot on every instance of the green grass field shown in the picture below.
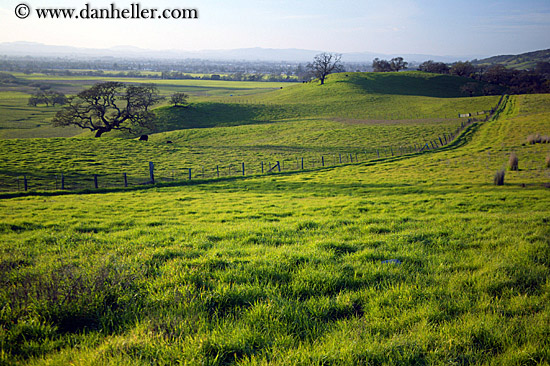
(348, 97)
(397, 261)
(18, 120)
(367, 116)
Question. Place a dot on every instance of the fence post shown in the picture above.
(262, 164)
(125, 180)
(218, 170)
(441, 142)
(152, 172)
(243, 167)
(340, 157)
(391, 149)
(189, 173)
(322, 160)
(302, 163)
(378, 153)
(62, 181)
(25, 182)
(279, 166)
(95, 181)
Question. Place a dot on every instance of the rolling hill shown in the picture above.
(357, 96)
(364, 114)
(522, 61)
(411, 261)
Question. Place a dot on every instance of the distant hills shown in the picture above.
(22, 49)
(523, 61)
(33, 49)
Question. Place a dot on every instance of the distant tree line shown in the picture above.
(238, 76)
(48, 97)
(168, 69)
(536, 80)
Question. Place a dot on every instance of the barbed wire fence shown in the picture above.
(81, 181)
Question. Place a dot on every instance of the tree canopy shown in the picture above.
(434, 67)
(47, 98)
(110, 106)
(462, 68)
(395, 64)
(178, 98)
(324, 64)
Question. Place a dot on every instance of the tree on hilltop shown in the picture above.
(395, 64)
(110, 106)
(434, 67)
(398, 64)
(179, 98)
(324, 64)
(381, 65)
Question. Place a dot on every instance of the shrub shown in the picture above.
(513, 162)
(499, 177)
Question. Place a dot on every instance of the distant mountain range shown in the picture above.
(242, 54)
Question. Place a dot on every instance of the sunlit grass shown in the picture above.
(418, 260)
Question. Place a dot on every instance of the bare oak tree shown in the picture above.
(324, 64)
(110, 106)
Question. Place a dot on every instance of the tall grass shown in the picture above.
(498, 179)
(513, 162)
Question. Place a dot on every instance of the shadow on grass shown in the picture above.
(461, 140)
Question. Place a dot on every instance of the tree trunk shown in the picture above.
(98, 133)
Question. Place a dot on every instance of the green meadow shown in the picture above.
(367, 116)
(405, 260)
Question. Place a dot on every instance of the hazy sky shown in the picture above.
(439, 27)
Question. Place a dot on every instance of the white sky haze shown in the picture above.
(439, 27)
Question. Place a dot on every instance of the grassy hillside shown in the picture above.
(412, 261)
(389, 96)
(41, 160)
(363, 114)
(353, 96)
(522, 61)
(18, 120)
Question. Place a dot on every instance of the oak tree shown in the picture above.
(324, 64)
(110, 106)
(395, 64)
(178, 98)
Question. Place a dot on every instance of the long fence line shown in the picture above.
(77, 181)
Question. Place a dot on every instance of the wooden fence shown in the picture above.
(75, 181)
